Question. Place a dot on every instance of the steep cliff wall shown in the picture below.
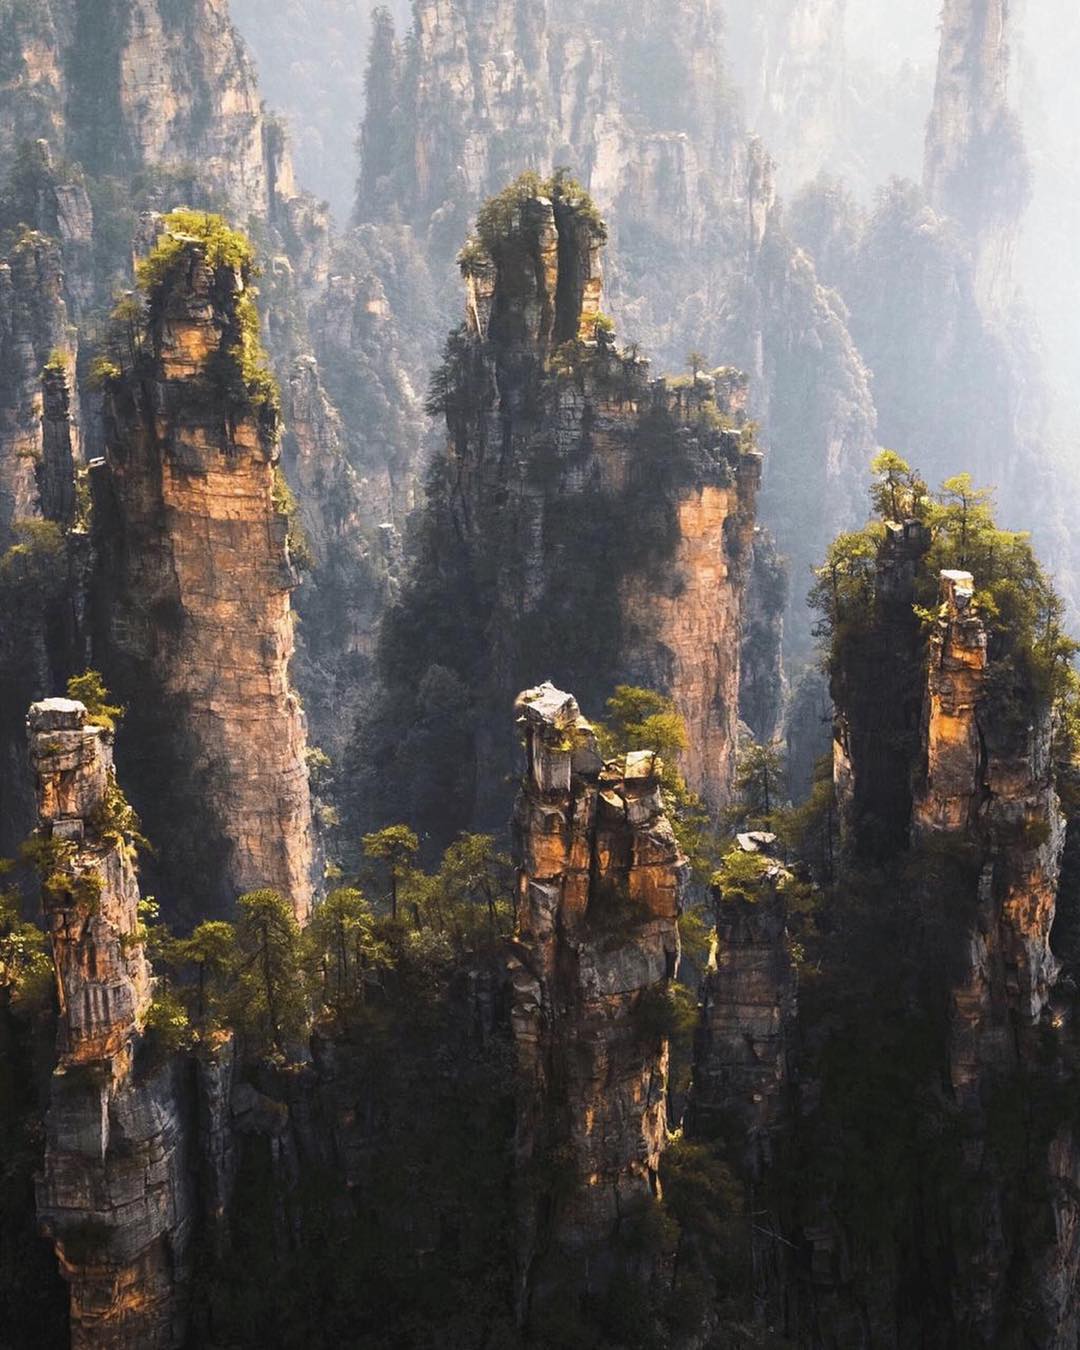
(42, 551)
(193, 588)
(134, 83)
(583, 521)
(599, 893)
(38, 350)
(116, 1192)
(743, 1090)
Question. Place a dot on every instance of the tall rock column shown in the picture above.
(742, 1093)
(39, 448)
(583, 518)
(115, 1195)
(193, 589)
(599, 887)
(988, 824)
(976, 167)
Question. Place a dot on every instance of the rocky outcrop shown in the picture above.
(115, 1195)
(40, 569)
(139, 83)
(743, 1091)
(599, 893)
(581, 517)
(486, 91)
(989, 788)
(193, 596)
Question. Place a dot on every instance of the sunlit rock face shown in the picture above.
(137, 82)
(116, 1192)
(988, 803)
(599, 893)
(193, 593)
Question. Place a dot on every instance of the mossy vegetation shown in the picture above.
(499, 221)
(241, 366)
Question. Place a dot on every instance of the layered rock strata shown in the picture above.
(193, 596)
(115, 1195)
(599, 893)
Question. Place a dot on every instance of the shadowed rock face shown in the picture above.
(584, 521)
(38, 435)
(980, 879)
(988, 793)
(115, 1195)
(741, 1071)
(193, 588)
(599, 893)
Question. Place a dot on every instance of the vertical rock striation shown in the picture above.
(599, 893)
(741, 1072)
(742, 1092)
(193, 592)
(116, 1192)
(790, 58)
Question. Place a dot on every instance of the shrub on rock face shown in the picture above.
(89, 690)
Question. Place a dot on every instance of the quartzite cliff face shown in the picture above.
(599, 895)
(115, 1196)
(193, 590)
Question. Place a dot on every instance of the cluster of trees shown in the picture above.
(1023, 613)
(267, 978)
